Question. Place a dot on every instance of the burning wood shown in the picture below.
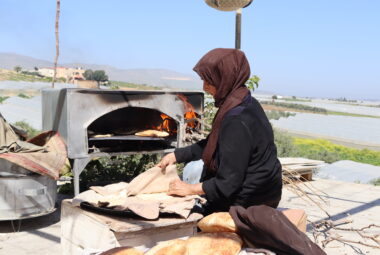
(190, 115)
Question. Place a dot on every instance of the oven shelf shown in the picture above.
(129, 138)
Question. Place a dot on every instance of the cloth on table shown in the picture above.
(145, 195)
(264, 227)
(44, 154)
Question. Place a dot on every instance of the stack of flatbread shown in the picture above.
(146, 195)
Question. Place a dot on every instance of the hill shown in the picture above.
(153, 77)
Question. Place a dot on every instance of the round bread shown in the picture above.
(217, 222)
(214, 244)
(171, 247)
(122, 251)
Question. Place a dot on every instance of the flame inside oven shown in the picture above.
(191, 117)
(168, 124)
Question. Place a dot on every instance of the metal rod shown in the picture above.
(238, 29)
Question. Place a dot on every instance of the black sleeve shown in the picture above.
(234, 149)
(191, 152)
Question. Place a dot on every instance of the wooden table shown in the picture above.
(83, 232)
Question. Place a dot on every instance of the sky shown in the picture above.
(321, 48)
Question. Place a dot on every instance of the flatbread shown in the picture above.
(217, 222)
(152, 133)
(122, 251)
(214, 244)
(172, 247)
(101, 136)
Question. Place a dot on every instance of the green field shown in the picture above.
(7, 75)
(123, 84)
(311, 109)
(320, 149)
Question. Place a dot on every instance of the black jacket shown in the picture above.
(249, 172)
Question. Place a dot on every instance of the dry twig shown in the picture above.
(325, 231)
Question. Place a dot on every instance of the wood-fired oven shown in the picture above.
(99, 122)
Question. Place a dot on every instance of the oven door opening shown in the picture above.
(132, 129)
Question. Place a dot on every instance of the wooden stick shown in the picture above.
(56, 40)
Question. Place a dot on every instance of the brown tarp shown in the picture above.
(264, 227)
(44, 154)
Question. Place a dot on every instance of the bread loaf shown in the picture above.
(217, 222)
(172, 247)
(122, 251)
(214, 244)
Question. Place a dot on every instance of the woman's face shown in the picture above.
(208, 88)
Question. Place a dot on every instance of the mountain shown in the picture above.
(10, 60)
(154, 77)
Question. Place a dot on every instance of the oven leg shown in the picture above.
(78, 166)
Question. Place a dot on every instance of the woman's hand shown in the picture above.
(168, 159)
(182, 189)
(179, 188)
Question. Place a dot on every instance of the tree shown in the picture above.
(253, 82)
(100, 76)
(274, 97)
(88, 74)
(97, 75)
(17, 69)
(36, 68)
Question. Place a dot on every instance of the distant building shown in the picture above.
(69, 74)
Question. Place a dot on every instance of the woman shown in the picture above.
(240, 157)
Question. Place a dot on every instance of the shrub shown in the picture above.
(2, 99)
(31, 131)
(375, 182)
(276, 115)
(284, 144)
(22, 95)
(103, 171)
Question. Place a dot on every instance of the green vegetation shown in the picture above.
(301, 107)
(26, 76)
(32, 132)
(352, 114)
(123, 84)
(2, 99)
(285, 144)
(98, 75)
(17, 69)
(22, 95)
(375, 182)
(296, 107)
(319, 149)
(313, 147)
(295, 99)
(103, 171)
(253, 82)
(276, 115)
